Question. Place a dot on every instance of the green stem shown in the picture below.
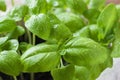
(34, 39)
(32, 76)
(61, 62)
(29, 37)
(33, 42)
(15, 78)
(12, 2)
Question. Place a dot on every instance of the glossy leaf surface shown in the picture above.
(82, 51)
(62, 73)
(72, 21)
(40, 58)
(7, 25)
(39, 25)
(10, 63)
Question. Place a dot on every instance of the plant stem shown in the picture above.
(12, 2)
(32, 76)
(29, 37)
(34, 39)
(33, 42)
(15, 78)
(61, 62)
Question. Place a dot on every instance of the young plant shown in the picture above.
(80, 38)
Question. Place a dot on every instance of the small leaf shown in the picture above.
(39, 25)
(72, 21)
(37, 6)
(40, 58)
(7, 25)
(81, 73)
(97, 4)
(2, 5)
(83, 51)
(24, 46)
(92, 15)
(118, 10)
(116, 43)
(78, 6)
(18, 31)
(84, 32)
(10, 45)
(18, 12)
(10, 63)
(64, 73)
(94, 30)
(105, 21)
(58, 30)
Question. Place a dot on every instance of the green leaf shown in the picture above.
(105, 21)
(2, 5)
(10, 45)
(18, 31)
(3, 40)
(37, 6)
(18, 12)
(10, 63)
(63, 73)
(40, 58)
(116, 43)
(92, 15)
(94, 30)
(97, 4)
(78, 6)
(24, 46)
(58, 30)
(7, 25)
(81, 73)
(72, 21)
(118, 10)
(39, 25)
(84, 32)
(84, 52)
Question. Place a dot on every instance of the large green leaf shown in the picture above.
(10, 63)
(105, 21)
(78, 6)
(37, 6)
(18, 31)
(18, 12)
(7, 25)
(2, 5)
(72, 21)
(40, 58)
(10, 45)
(39, 25)
(84, 51)
(63, 73)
